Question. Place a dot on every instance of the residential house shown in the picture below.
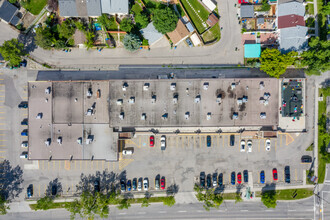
(179, 34)
(92, 8)
(151, 34)
(8, 13)
(212, 20)
(247, 11)
(209, 4)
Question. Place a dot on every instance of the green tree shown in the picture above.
(126, 25)
(210, 199)
(89, 40)
(79, 25)
(124, 204)
(44, 203)
(105, 21)
(274, 63)
(66, 29)
(44, 38)
(169, 201)
(142, 20)
(145, 202)
(238, 198)
(3, 205)
(131, 42)
(12, 51)
(265, 6)
(165, 20)
(317, 57)
(269, 198)
(326, 9)
(12, 1)
(89, 205)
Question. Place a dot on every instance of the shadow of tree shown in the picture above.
(268, 187)
(28, 41)
(10, 180)
(148, 194)
(172, 189)
(128, 195)
(54, 188)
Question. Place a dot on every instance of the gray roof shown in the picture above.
(68, 8)
(190, 27)
(115, 6)
(260, 20)
(8, 13)
(151, 34)
(290, 8)
(93, 7)
(247, 11)
(294, 38)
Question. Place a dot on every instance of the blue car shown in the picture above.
(233, 180)
(129, 185)
(208, 141)
(24, 133)
(29, 191)
(262, 177)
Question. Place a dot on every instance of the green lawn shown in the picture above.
(286, 194)
(308, 181)
(229, 196)
(212, 35)
(195, 9)
(310, 9)
(34, 6)
(310, 148)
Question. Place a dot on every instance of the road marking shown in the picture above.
(288, 140)
(188, 141)
(275, 145)
(109, 166)
(113, 166)
(124, 213)
(48, 165)
(38, 189)
(102, 164)
(67, 165)
(53, 165)
(92, 163)
(200, 142)
(244, 210)
(177, 141)
(86, 164)
(81, 164)
(139, 142)
(43, 164)
(291, 210)
(223, 141)
(142, 213)
(228, 141)
(75, 164)
(194, 142)
(268, 210)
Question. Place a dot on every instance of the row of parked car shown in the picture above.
(216, 180)
(139, 184)
(24, 144)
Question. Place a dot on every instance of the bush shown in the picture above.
(165, 20)
(126, 25)
(131, 42)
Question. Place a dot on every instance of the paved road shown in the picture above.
(7, 32)
(222, 52)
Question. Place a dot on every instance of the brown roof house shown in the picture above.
(79, 38)
(290, 21)
(212, 20)
(179, 34)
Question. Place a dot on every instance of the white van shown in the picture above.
(127, 152)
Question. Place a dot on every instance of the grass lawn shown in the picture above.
(324, 137)
(114, 26)
(115, 37)
(212, 35)
(229, 196)
(310, 148)
(34, 6)
(310, 174)
(197, 13)
(310, 9)
(55, 205)
(286, 194)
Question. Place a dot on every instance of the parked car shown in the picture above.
(23, 105)
(242, 146)
(23, 63)
(306, 159)
(97, 186)
(249, 144)
(215, 178)
(24, 133)
(140, 184)
(146, 184)
(232, 179)
(287, 174)
(134, 184)
(262, 176)
(152, 141)
(29, 191)
(202, 179)
(239, 178)
(208, 181)
(162, 182)
(275, 174)
(157, 183)
(129, 185)
(54, 190)
(24, 122)
(163, 142)
(208, 141)
(127, 152)
(122, 185)
(24, 144)
(246, 176)
(24, 155)
(268, 145)
(190, 44)
(220, 180)
(232, 140)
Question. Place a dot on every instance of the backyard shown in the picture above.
(33, 6)
(212, 35)
(197, 13)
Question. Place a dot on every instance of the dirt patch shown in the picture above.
(221, 93)
(28, 19)
(242, 107)
(230, 92)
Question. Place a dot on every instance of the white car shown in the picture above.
(145, 184)
(24, 144)
(127, 152)
(249, 144)
(268, 145)
(24, 155)
(242, 146)
(139, 188)
(163, 142)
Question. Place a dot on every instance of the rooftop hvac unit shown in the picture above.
(245, 99)
(143, 116)
(266, 95)
(206, 86)
(164, 116)
(187, 115)
(89, 92)
(132, 100)
(263, 115)
(219, 99)
(125, 85)
(175, 99)
(119, 102)
(79, 140)
(153, 99)
(173, 85)
(59, 140)
(89, 112)
(198, 99)
(266, 102)
(208, 116)
(235, 115)
(233, 86)
(261, 85)
(239, 101)
(146, 86)
(39, 115)
(47, 91)
(121, 116)
(47, 142)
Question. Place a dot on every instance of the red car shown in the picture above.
(152, 141)
(162, 183)
(239, 178)
(275, 174)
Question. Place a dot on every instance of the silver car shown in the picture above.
(242, 146)
(268, 145)
(139, 188)
(163, 142)
(145, 184)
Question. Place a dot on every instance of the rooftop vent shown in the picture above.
(47, 91)
(266, 95)
(122, 115)
(59, 140)
(125, 85)
(89, 92)
(132, 100)
(47, 142)
(263, 115)
(175, 99)
(208, 116)
(187, 115)
(165, 116)
(143, 116)
(146, 86)
(173, 85)
(245, 99)
(39, 115)
(206, 86)
(89, 139)
(235, 115)
(89, 112)
(153, 99)
(119, 102)
(233, 86)
(239, 101)
(219, 99)
(261, 85)
(198, 99)
(79, 140)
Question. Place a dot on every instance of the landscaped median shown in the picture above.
(291, 194)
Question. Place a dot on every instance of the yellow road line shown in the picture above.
(139, 142)
(86, 164)
(177, 141)
(3, 151)
(75, 164)
(38, 164)
(113, 166)
(223, 141)
(182, 145)
(288, 140)
(188, 142)
(194, 142)
(48, 165)
(92, 163)
(109, 166)
(43, 164)
(102, 164)
(59, 165)
(218, 140)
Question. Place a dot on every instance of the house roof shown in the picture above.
(294, 38)
(8, 13)
(190, 27)
(260, 20)
(93, 7)
(115, 6)
(209, 4)
(290, 8)
(290, 21)
(247, 11)
(79, 8)
(68, 8)
(252, 50)
(79, 37)
(212, 20)
(151, 34)
(179, 33)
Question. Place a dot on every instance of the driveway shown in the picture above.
(223, 52)
(7, 33)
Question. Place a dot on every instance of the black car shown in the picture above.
(220, 179)
(23, 105)
(287, 174)
(232, 140)
(54, 190)
(134, 184)
(29, 191)
(122, 185)
(24, 122)
(202, 179)
(233, 180)
(246, 176)
(97, 186)
(208, 181)
(208, 141)
(306, 159)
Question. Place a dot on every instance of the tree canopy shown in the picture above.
(169, 201)
(142, 20)
(124, 204)
(126, 25)
(12, 51)
(3, 205)
(105, 21)
(165, 20)
(210, 199)
(131, 42)
(66, 29)
(317, 57)
(274, 63)
(269, 198)
(44, 203)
